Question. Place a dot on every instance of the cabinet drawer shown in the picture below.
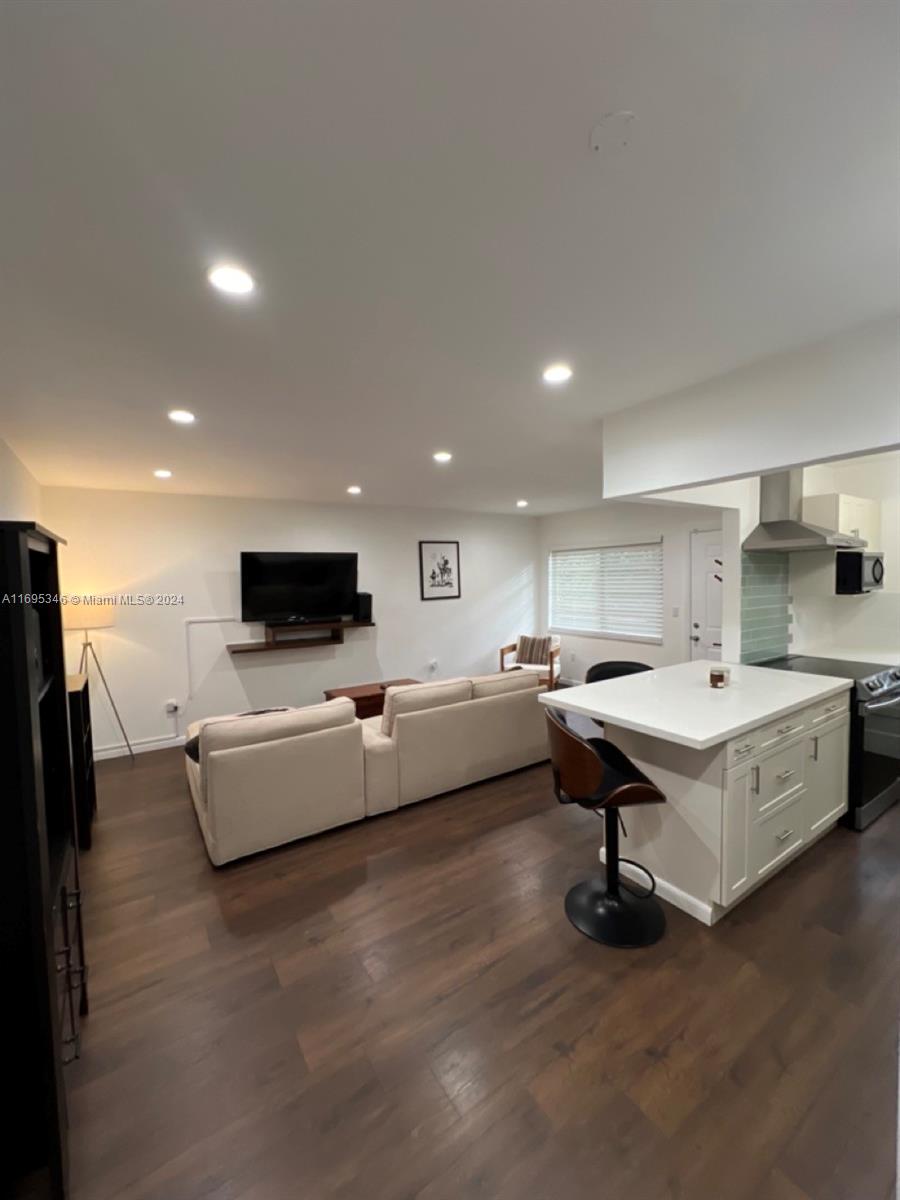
(742, 748)
(829, 709)
(776, 837)
(777, 776)
(780, 731)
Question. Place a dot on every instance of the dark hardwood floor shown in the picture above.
(400, 1009)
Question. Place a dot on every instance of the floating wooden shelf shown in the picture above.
(335, 637)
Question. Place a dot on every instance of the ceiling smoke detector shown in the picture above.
(612, 133)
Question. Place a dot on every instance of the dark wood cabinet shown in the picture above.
(82, 757)
(41, 937)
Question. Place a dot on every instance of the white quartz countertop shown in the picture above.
(678, 705)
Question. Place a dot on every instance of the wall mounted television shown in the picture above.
(295, 587)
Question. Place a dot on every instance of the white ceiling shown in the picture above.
(412, 183)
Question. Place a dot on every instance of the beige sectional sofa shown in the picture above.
(436, 737)
(264, 780)
(268, 779)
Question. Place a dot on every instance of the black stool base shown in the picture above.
(623, 920)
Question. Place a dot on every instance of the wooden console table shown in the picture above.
(368, 697)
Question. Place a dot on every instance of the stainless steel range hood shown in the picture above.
(781, 525)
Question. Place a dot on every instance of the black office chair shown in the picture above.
(598, 775)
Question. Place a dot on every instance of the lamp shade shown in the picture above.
(88, 616)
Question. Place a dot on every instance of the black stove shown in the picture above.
(874, 783)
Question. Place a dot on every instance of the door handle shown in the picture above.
(754, 780)
(815, 749)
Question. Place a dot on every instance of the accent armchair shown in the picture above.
(538, 654)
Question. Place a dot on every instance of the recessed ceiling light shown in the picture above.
(442, 456)
(521, 504)
(354, 490)
(162, 473)
(557, 373)
(235, 281)
(181, 416)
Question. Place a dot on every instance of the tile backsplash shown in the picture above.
(765, 606)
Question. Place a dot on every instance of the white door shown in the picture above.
(706, 594)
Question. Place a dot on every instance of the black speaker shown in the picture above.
(363, 606)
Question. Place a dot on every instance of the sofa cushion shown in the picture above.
(414, 697)
(533, 650)
(541, 668)
(228, 732)
(503, 681)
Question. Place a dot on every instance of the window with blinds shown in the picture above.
(614, 591)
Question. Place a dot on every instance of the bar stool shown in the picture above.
(596, 774)
(613, 670)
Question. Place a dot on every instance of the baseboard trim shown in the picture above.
(142, 746)
(708, 914)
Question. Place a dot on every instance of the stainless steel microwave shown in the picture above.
(857, 572)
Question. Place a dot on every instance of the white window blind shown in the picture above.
(615, 591)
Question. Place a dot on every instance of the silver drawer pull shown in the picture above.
(745, 749)
(815, 748)
(833, 707)
(754, 780)
(787, 729)
(785, 775)
(784, 835)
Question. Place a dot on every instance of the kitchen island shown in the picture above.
(753, 773)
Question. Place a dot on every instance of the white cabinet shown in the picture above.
(737, 822)
(853, 515)
(762, 818)
(776, 801)
(826, 775)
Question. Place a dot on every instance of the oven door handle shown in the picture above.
(875, 705)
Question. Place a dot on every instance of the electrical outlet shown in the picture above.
(571, 658)
(172, 707)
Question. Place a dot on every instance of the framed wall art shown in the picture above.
(439, 570)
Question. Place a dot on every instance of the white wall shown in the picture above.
(613, 523)
(828, 400)
(134, 542)
(20, 493)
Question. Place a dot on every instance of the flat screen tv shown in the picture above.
(282, 588)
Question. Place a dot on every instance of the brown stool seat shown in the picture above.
(595, 774)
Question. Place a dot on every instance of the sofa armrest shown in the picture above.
(264, 794)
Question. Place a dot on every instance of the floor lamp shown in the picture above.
(84, 618)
